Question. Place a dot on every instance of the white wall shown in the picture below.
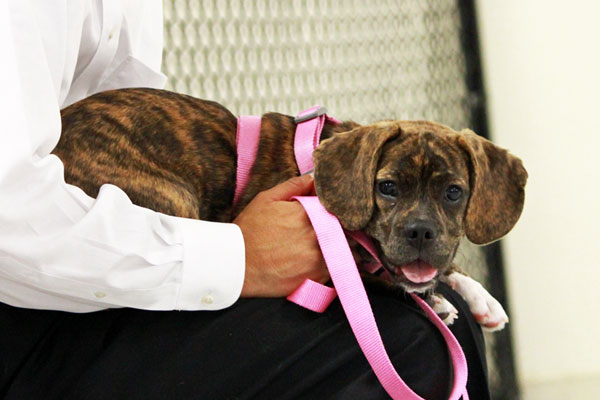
(542, 72)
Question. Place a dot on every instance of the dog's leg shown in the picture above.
(443, 308)
(487, 310)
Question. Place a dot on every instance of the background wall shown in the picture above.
(542, 72)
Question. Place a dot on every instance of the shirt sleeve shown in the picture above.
(61, 249)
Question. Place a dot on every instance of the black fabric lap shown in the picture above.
(257, 349)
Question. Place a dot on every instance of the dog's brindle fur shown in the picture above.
(177, 155)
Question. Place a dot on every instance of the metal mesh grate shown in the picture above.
(363, 60)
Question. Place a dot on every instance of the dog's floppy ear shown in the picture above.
(345, 168)
(497, 189)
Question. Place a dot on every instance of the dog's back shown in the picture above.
(169, 152)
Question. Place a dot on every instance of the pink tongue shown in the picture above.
(419, 272)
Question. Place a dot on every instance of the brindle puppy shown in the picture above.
(415, 187)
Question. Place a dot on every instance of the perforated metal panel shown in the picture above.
(363, 60)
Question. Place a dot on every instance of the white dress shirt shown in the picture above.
(59, 248)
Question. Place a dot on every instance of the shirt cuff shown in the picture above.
(214, 265)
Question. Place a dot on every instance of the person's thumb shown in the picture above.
(296, 186)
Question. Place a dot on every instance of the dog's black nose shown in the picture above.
(420, 234)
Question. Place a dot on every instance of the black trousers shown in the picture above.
(257, 349)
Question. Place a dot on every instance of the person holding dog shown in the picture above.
(83, 281)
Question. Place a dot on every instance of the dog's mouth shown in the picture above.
(417, 271)
(415, 276)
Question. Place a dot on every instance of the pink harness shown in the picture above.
(340, 262)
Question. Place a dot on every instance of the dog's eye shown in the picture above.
(453, 193)
(388, 188)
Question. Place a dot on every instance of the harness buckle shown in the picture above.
(314, 114)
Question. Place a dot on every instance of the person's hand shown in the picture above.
(281, 246)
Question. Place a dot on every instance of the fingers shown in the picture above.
(297, 186)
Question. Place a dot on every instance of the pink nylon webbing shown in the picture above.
(247, 139)
(308, 134)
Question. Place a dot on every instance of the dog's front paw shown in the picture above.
(487, 310)
(443, 308)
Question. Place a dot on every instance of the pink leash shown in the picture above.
(246, 140)
(341, 264)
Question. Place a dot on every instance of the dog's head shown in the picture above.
(417, 188)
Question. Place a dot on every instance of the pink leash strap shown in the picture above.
(247, 139)
(309, 125)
